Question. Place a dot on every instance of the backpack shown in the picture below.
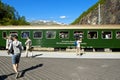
(75, 43)
(17, 46)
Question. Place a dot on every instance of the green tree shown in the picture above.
(9, 16)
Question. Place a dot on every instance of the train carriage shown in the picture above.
(93, 36)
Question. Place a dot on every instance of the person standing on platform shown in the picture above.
(78, 49)
(28, 44)
(15, 49)
(8, 41)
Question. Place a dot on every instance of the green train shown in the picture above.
(62, 37)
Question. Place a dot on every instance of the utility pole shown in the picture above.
(99, 15)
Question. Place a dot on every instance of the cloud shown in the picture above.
(63, 17)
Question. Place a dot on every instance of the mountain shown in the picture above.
(46, 22)
(109, 13)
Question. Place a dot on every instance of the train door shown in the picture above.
(2, 40)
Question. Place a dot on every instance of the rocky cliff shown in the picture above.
(109, 13)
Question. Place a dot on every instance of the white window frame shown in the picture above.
(50, 31)
(41, 35)
(92, 31)
(107, 31)
(24, 31)
(14, 31)
(78, 31)
(116, 34)
(64, 38)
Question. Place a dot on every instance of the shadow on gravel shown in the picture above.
(4, 77)
(29, 69)
(37, 55)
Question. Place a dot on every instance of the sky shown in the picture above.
(64, 11)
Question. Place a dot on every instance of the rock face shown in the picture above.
(110, 14)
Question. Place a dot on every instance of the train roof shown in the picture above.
(61, 27)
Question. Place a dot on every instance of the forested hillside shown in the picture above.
(9, 16)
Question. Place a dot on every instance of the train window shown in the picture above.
(106, 34)
(25, 34)
(37, 34)
(4, 34)
(118, 34)
(92, 34)
(78, 34)
(50, 34)
(13, 33)
(63, 35)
